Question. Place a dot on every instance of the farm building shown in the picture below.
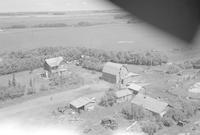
(135, 88)
(151, 104)
(52, 66)
(123, 95)
(114, 73)
(82, 103)
(131, 77)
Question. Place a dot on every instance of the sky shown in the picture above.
(53, 5)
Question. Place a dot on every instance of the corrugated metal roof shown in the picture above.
(80, 102)
(112, 68)
(122, 93)
(54, 61)
(134, 86)
(149, 103)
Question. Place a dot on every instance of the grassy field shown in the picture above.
(110, 33)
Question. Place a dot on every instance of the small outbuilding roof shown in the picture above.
(82, 101)
(112, 68)
(123, 93)
(135, 87)
(149, 103)
(52, 62)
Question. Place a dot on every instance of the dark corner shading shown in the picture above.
(179, 18)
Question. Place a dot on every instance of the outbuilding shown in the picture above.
(151, 104)
(135, 88)
(114, 73)
(123, 95)
(82, 103)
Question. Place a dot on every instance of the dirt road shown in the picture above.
(41, 107)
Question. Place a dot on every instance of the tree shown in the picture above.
(109, 99)
(31, 83)
(149, 127)
(9, 83)
(14, 83)
(168, 122)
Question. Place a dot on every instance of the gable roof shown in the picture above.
(80, 102)
(112, 68)
(52, 62)
(149, 103)
(122, 93)
(134, 86)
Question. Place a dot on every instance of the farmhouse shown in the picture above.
(151, 104)
(135, 88)
(123, 95)
(52, 66)
(114, 73)
(82, 103)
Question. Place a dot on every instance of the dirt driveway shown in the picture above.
(40, 108)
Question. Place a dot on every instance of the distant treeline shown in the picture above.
(50, 25)
(88, 58)
(59, 12)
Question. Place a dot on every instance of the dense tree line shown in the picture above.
(89, 58)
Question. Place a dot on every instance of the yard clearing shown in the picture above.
(41, 106)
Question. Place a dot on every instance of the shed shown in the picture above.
(135, 88)
(82, 103)
(123, 95)
(52, 65)
(114, 73)
(151, 104)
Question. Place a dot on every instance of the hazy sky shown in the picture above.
(53, 5)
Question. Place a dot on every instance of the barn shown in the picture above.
(52, 65)
(114, 73)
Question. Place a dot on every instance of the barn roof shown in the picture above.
(52, 62)
(112, 68)
(134, 86)
(122, 93)
(149, 103)
(82, 101)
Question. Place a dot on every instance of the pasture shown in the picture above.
(105, 32)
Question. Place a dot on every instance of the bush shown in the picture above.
(175, 114)
(186, 65)
(92, 64)
(149, 127)
(133, 112)
(167, 122)
(109, 123)
(66, 81)
(172, 69)
(14, 92)
(109, 99)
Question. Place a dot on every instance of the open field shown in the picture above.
(105, 32)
